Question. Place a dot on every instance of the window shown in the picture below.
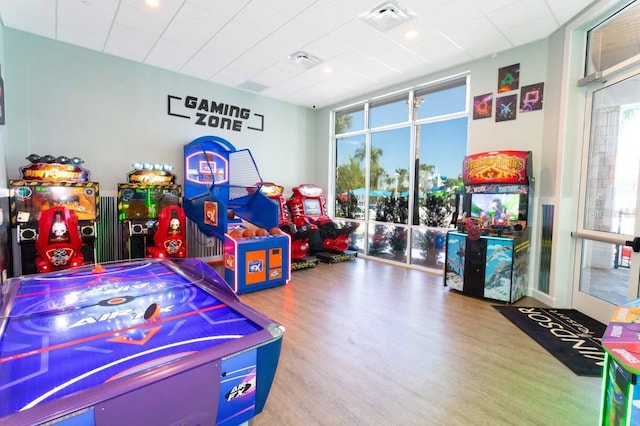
(398, 170)
(614, 41)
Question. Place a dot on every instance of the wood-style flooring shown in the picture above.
(368, 343)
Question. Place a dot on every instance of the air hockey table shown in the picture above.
(153, 342)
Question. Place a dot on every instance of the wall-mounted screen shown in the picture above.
(497, 206)
(30, 200)
(145, 201)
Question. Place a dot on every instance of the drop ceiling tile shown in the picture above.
(493, 5)
(532, 30)
(323, 17)
(519, 13)
(32, 16)
(325, 48)
(396, 55)
(453, 14)
(567, 9)
(83, 38)
(194, 25)
(260, 18)
(129, 43)
(288, 8)
(268, 52)
(297, 34)
(486, 46)
(466, 35)
(95, 16)
(211, 58)
(144, 19)
(365, 66)
(227, 9)
(170, 54)
(276, 74)
(233, 74)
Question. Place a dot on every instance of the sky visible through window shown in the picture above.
(442, 144)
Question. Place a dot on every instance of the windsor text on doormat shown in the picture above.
(572, 337)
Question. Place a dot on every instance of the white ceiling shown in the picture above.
(245, 44)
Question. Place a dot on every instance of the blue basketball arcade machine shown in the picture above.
(222, 196)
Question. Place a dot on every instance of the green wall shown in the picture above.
(112, 112)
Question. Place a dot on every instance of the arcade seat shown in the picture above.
(169, 238)
(299, 234)
(59, 244)
(308, 207)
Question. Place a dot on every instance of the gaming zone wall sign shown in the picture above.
(214, 114)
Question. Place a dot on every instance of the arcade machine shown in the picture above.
(331, 241)
(300, 258)
(488, 255)
(621, 343)
(224, 200)
(149, 211)
(54, 210)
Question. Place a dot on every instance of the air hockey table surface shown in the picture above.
(145, 342)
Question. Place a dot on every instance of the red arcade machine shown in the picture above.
(169, 237)
(150, 213)
(331, 242)
(53, 194)
(488, 256)
(58, 245)
(300, 258)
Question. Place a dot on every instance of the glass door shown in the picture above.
(607, 267)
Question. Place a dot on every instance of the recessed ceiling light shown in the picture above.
(152, 3)
(327, 70)
(411, 34)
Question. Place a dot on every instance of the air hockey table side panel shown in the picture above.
(221, 391)
(174, 378)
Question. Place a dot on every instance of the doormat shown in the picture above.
(572, 337)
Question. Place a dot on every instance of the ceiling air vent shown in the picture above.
(303, 59)
(252, 86)
(387, 15)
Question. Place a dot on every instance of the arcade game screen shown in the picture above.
(500, 206)
(145, 202)
(312, 207)
(31, 200)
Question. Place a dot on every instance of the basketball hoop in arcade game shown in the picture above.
(154, 224)
(488, 255)
(222, 197)
(54, 210)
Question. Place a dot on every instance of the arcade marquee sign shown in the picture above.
(502, 167)
(214, 114)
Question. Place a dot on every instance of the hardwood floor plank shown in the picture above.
(368, 343)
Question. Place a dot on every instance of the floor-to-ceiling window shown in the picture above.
(398, 164)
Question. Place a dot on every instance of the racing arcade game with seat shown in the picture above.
(149, 190)
(330, 242)
(169, 237)
(54, 193)
(58, 245)
(300, 258)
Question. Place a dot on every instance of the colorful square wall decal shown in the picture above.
(531, 97)
(506, 107)
(509, 78)
(482, 106)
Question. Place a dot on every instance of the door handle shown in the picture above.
(635, 244)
